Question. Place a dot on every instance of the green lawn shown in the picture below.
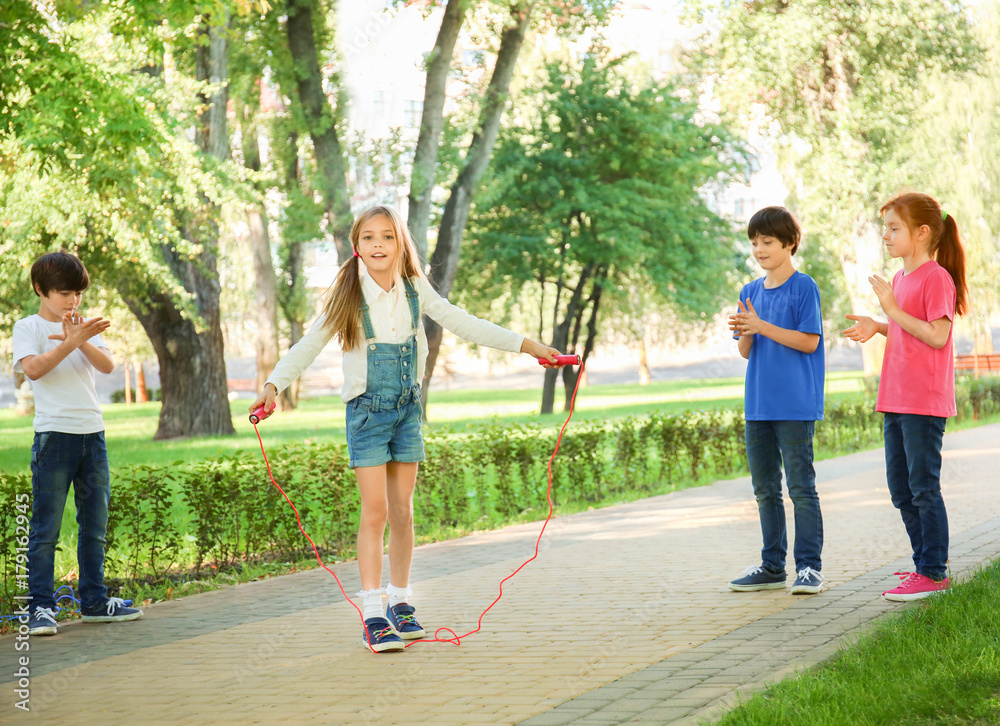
(130, 429)
(935, 662)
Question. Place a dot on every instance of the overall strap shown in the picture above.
(413, 298)
(366, 322)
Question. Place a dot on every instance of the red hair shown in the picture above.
(945, 246)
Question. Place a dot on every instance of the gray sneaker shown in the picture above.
(808, 582)
(758, 578)
(42, 621)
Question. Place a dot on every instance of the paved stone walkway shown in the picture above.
(623, 618)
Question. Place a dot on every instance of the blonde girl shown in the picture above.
(374, 310)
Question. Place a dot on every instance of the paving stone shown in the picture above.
(241, 656)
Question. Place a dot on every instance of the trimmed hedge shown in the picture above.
(224, 511)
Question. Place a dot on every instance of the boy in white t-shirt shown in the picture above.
(58, 351)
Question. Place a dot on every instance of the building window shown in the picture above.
(378, 102)
(412, 110)
(744, 207)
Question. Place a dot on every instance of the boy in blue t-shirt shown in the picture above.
(60, 351)
(779, 327)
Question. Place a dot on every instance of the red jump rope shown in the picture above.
(260, 414)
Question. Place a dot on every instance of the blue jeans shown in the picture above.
(769, 445)
(58, 459)
(913, 470)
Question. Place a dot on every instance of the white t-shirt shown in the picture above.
(65, 397)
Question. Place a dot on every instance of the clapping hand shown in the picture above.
(745, 322)
(862, 330)
(883, 289)
(78, 331)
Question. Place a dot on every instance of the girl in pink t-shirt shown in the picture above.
(916, 390)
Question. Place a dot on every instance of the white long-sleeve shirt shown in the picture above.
(390, 316)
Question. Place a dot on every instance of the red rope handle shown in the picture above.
(455, 639)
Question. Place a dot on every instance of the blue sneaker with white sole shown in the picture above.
(758, 578)
(42, 621)
(808, 582)
(403, 621)
(115, 610)
(379, 636)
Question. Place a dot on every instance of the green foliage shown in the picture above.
(601, 174)
(142, 526)
(846, 84)
(15, 493)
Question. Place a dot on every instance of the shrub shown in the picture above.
(225, 511)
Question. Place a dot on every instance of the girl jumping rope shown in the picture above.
(373, 308)
(917, 387)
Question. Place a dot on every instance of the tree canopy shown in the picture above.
(596, 193)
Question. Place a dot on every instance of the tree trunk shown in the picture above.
(192, 363)
(859, 259)
(644, 376)
(321, 124)
(141, 392)
(444, 261)
(128, 383)
(571, 373)
(432, 123)
(190, 352)
(265, 281)
(265, 294)
(560, 338)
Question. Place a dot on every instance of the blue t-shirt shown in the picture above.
(784, 384)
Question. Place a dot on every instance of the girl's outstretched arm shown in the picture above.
(865, 328)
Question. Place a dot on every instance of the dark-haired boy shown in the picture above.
(780, 331)
(59, 352)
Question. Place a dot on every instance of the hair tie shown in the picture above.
(356, 254)
(944, 215)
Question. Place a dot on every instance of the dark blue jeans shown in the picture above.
(57, 460)
(771, 444)
(913, 470)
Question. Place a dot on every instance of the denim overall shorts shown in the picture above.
(383, 423)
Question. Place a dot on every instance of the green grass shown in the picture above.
(130, 429)
(936, 662)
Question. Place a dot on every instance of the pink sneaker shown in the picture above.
(915, 587)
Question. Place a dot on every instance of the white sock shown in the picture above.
(371, 603)
(398, 595)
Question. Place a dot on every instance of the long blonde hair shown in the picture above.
(342, 307)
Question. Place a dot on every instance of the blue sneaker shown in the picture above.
(404, 622)
(42, 621)
(808, 582)
(115, 610)
(379, 636)
(758, 578)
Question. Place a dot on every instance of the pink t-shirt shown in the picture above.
(916, 377)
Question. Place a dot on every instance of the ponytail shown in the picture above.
(343, 305)
(951, 256)
(945, 245)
